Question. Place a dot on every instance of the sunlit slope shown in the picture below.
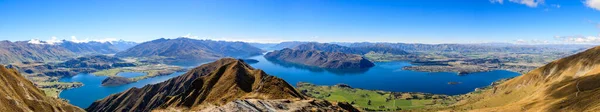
(20, 95)
(567, 84)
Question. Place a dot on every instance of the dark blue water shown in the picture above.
(131, 74)
(93, 90)
(387, 76)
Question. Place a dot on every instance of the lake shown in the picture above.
(387, 76)
(93, 90)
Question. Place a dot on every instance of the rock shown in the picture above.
(454, 83)
(343, 86)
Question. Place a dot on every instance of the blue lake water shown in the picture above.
(93, 90)
(131, 74)
(387, 76)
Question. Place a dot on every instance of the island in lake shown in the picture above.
(335, 60)
(115, 81)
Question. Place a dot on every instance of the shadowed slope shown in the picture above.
(568, 84)
(152, 96)
(20, 95)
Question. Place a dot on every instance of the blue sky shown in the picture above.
(413, 21)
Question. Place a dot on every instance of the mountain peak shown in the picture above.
(218, 82)
(236, 80)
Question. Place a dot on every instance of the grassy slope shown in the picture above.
(568, 84)
(380, 100)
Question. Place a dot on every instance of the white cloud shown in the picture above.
(579, 39)
(529, 3)
(52, 41)
(497, 1)
(555, 5)
(35, 41)
(595, 4)
(74, 39)
(189, 35)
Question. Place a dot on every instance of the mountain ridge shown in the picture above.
(19, 94)
(190, 49)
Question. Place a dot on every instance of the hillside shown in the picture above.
(567, 84)
(20, 95)
(336, 60)
(20, 51)
(209, 85)
(185, 49)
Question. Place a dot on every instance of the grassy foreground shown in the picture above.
(373, 100)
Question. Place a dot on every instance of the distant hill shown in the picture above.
(122, 45)
(360, 50)
(328, 48)
(468, 48)
(264, 46)
(20, 51)
(190, 49)
(214, 84)
(567, 84)
(290, 44)
(19, 94)
(91, 47)
(335, 60)
(96, 62)
(42, 51)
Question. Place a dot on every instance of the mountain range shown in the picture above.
(467, 48)
(36, 50)
(22, 51)
(190, 49)
(360, 50)
(91, 47)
